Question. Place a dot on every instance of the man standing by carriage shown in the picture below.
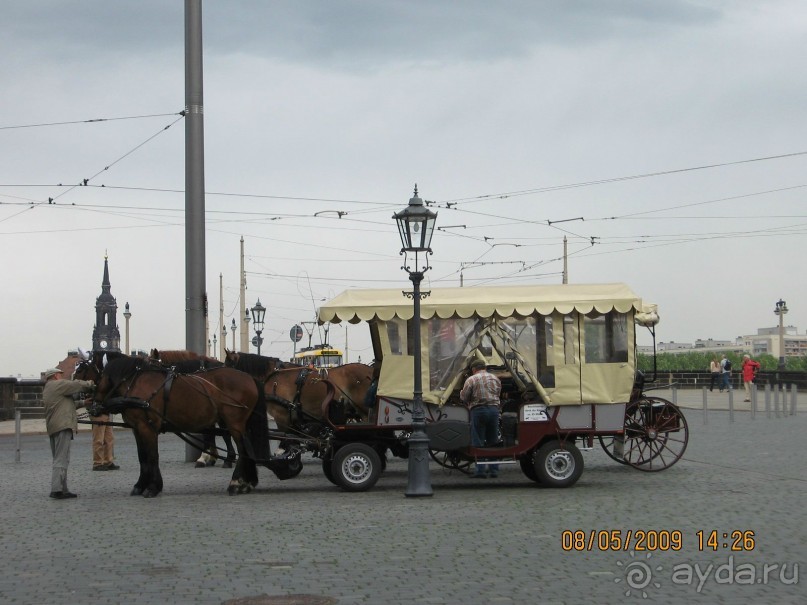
(481, 393)
(62, 422)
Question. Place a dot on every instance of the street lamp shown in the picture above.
(258, 312)
(247, 319)
(127, 314)
(416, 226)
(215, 351)
(232, 329)
(781, 310)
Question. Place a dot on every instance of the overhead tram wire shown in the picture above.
(84, 182)
(92, 121)
(482, 198)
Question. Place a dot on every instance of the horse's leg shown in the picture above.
(228, 442)
(155, 484)
(237, 484)
(143, 478)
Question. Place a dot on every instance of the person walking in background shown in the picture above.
(714, 368)
(725, 373)
(61, 422)
(481, 393)
(750, 369)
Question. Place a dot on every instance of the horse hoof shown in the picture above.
(244, 489)
(150, 493)
(136, 491)
(200, 465)
(210, 463)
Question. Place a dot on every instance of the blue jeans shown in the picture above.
(724, 381)
(485, 431)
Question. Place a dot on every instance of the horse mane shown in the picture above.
(121, 368)
(184, 361)
(253, 364)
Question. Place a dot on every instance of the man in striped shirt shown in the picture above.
(481, 394)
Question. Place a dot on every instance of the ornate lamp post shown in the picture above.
(127, 314)
(232, 329)
(781, 310)
(215, 351)
(416, 227)
(258, 312)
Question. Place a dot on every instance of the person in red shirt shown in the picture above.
(750, 369)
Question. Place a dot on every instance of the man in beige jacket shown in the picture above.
(61, 421)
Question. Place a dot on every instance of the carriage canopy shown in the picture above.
(569, 344)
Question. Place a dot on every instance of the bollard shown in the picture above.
(731, 405)
(753, 401)
(705, 413)
(794, 396)
(776, 391)
(17, 434)
(768, 400)
(675, 394)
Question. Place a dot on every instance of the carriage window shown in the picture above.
(394, 329)
(546, 366)
(450, 343)
(606, 338)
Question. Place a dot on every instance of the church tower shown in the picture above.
(105, 333)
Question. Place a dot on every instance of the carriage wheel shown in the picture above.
(528, 467)
(356, 467)
(655, 438)
(558, 464)
(327, 462)
(452, 461)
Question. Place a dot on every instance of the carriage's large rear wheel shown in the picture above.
(451, 461)
(356, 467)
(655, 437)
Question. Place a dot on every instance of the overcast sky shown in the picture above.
(670, 134)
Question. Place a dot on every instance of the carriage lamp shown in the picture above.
(258, 312)
(780, 311)
(232, 329)
(416, 227)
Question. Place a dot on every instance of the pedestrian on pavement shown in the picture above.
(481, 393)
(750, 369)
(725, 374)
(103, 444)
(61, 422)
(714, 368)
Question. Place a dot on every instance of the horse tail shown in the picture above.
(257, 430)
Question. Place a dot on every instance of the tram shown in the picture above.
(321, 356)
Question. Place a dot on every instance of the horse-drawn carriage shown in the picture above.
(565, 355)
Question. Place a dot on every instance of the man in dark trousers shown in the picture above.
(62, 422)
(481, 393)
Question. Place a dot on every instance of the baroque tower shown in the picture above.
(105, 333)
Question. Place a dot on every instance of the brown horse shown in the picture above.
(154, 399)
(295, 395)
(187, 362)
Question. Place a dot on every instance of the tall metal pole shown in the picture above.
(243, 322)
(222, 327)
(194, 181)
(419, 483)
(565, 261)
(195, 287)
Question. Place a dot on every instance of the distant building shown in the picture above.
(764, 342)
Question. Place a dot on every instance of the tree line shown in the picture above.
(699, 362)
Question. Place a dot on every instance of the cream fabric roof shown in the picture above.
(505, 301)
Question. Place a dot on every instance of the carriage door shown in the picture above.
(607, 370)
(564, 347)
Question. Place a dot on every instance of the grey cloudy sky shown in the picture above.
(513, 109)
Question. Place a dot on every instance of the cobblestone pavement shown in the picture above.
(475, 542)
